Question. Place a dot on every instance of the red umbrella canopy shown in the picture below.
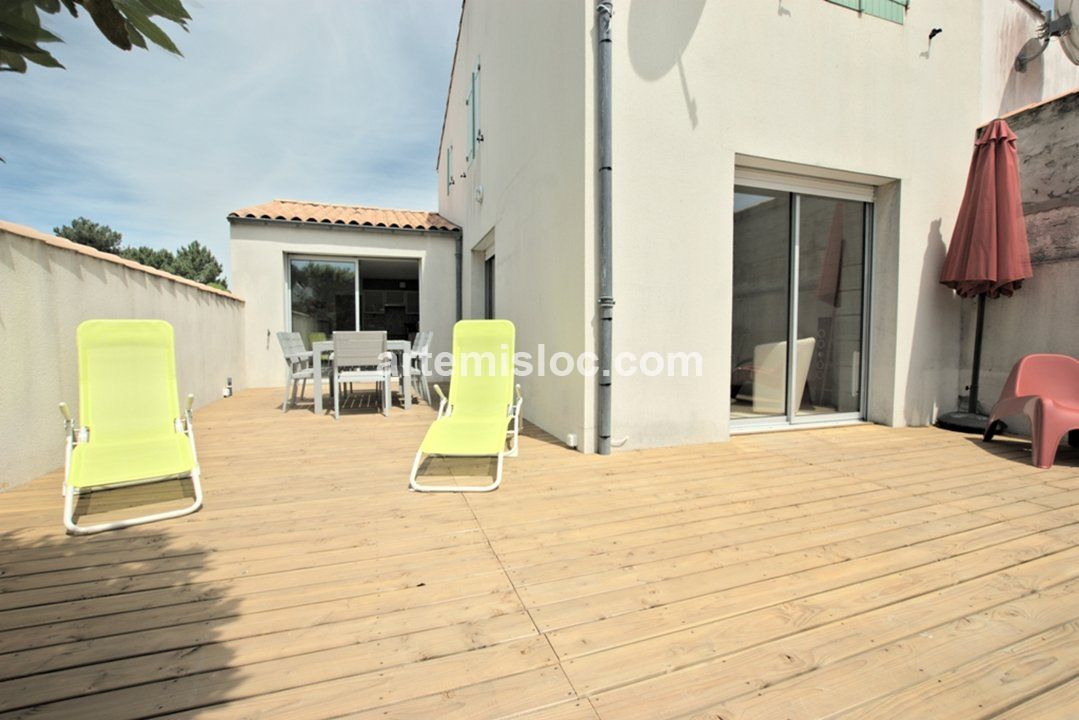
(989, 252)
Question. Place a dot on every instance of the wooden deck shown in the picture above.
(859, 572)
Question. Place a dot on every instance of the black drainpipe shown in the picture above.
(604, 11)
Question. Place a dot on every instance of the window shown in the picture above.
(323, 294)
(489, 288)
(800, 319)
(473, 104)
(449, 168)
(337, 293)
(893, 10)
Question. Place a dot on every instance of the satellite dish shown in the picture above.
(1069, 39)
(1065, 27)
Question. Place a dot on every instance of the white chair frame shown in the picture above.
(300, 367)
(513, 415)
(420, 355)
(76, 435)
(378, 371)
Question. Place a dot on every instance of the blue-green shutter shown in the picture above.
(473, 114)
(449, 168)
(894, 10)
(471, 102)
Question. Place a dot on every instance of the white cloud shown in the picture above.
(335, 100)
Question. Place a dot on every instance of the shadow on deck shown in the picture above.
(856, 571)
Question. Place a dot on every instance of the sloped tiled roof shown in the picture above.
(356, 215)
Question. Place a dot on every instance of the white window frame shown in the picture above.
(289, 257)
(799, 185)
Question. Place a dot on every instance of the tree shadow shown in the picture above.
(124, 623)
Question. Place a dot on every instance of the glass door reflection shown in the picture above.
(323, 295)
(830, 292)
(760, 319)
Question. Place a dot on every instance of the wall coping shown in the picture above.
(1036, 105)
(29, 233)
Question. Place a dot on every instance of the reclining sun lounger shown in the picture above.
(131, 429)
(481, 414)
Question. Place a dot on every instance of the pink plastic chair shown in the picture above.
(1045, 388)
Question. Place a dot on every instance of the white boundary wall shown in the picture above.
(48, 286)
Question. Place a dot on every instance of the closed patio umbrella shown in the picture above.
(989, 255)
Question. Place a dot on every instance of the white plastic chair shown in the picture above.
(299, 362)
(361, 357)
(421, 355)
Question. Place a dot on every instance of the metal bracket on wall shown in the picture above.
(1050, 29)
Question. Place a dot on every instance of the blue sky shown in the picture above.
(335, 101)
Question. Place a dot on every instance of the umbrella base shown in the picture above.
(960, 421)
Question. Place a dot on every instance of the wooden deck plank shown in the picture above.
(784, 575)
(844, 685)
(986, 686)
(918, 594)
(1058, 703)
(281, 660)
(758, 667)
(439, 676)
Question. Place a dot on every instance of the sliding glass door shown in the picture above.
(761, 303)
(334, 293)
(799, 288)
(323, 295)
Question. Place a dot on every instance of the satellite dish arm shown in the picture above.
(1052, 28)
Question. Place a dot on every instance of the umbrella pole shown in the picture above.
(975, 370)
(970, 421)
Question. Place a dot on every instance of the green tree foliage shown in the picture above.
(124, 23)
(154, 257)
(88, 232)
(196, 262)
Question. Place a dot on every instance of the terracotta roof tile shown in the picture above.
(297, 211)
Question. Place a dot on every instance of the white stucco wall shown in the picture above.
(533, 56)
(47, 287)
(698, 85)
(259, 250)
(827, 89)
(1007, 25)
(1047, 138)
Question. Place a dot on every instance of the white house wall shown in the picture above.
(531, 168)
(258, 261)
(696, 84)
(699, 87)
(1007, 25)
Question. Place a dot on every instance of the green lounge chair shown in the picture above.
(481, 414)
(132, 431)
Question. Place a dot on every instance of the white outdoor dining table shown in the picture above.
(401, 346)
